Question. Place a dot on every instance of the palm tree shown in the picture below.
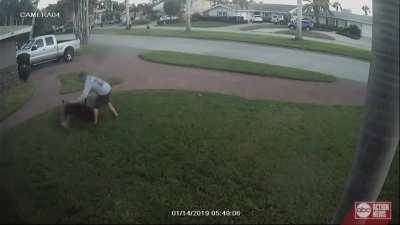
(188, 15)
(299, 35)
(366, 10)
(380, 130)
(337, 6)
(317, 7)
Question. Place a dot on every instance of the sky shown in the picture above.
(354, 5)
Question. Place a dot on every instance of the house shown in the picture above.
(264, 10)
(345, 19)
(8, 63)
(198, 6)
(101, 9)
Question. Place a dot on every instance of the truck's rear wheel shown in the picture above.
(24, 71)
(68, 55)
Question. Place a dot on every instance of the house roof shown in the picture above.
(159, 7)
(353, 17)
(278, 8)
(272, 7)
(10, 31)
(219, 6)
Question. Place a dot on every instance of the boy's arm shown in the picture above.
(85, 92)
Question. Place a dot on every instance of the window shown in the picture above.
(49, 41)
(39, 43)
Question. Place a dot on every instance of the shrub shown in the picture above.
(325, 27)
(230, 19)
(140, 22)
(352, 31)
(196, 17)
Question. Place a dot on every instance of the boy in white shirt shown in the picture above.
(103, 91)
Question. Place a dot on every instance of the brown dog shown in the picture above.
(75, 110)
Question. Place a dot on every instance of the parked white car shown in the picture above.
(277, 19)
(167, 19)
(257, 19)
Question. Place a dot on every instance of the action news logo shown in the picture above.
(373, 210)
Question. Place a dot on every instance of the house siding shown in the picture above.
(8, 52)
(366, 28)
(8, 64)
(221, 11)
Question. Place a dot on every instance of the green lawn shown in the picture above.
(311, 34)
(234, 65)
(250, 38)
(14, 98)
(202, 24)
(175, 150)
(70, 82)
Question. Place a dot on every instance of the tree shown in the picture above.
(380, 129)
(244, 4)
(317, 7)
(299, 35)
(188, 14)
(128, 16)
(172, 7)
(366, 10)
(337, 6)
(8, 10)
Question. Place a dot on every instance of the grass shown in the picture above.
(175, 150)
(262, 26)
(234, 65)
(70, 82)
(308, 45)
(307, 34)
(87, 49)
(202, 24)
(15, 97)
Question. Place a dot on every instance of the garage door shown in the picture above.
(366, 30)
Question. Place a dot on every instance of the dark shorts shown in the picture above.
(101, 100)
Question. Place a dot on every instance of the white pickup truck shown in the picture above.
(45, 48)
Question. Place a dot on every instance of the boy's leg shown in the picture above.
(96, 115)
(112, 108)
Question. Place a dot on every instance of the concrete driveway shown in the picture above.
(342, 67)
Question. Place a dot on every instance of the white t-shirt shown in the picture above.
(95, 84)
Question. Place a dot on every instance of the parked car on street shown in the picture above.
(306, 24)
(167, 19)
(43, 49)
(257, 19)
(277, 19)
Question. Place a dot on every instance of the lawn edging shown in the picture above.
(307, 45)
(234, 65)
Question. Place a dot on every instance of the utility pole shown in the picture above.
(128, 17)
(188, 14)
(299, 35)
